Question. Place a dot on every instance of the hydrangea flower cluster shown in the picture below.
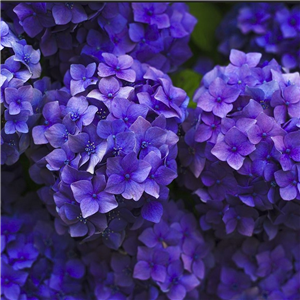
(240, 152)
(36, 262)
(168, 260)
(156, 33)
(94, 134)
(108, 136)
(19, 98)
(270, 28)
(254, 268)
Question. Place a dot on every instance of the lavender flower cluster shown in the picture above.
(108, 138)
(270, 28)
(240, 151)
(19, 99)
(89, 111)
(155, 33)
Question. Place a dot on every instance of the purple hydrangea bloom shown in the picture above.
(63, 13)
(218, 98)
(151, 13)
(233, 148)
(92, 197)
(29, 57)
(151, 264)
(119, 66)
(126, 175)
(19, 99)
(177, 283)
(232, 283)
(82, 77)
(289, 148)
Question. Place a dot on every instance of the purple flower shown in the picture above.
(193, 253)
(91, 148)
(126, 175)
(29, 57)
(149, 138)
(232, 283)
(253, 18)
(218, 98)
(23, 254)
(286, 102)
(16, 123)
(151, 264)
(151, 13)
(63, 13)
(7, 37)
(289, 21)
(52, 115)
(208, 129)
(239, 58)
(159, 175)
(33, 17)
(160, 235)
(273, 261)
(177, 283)
(82, 77)
(118, 66)
(92, 197)
(245, 257)
(233, 148)
(79, 226)
(219, 180)
(80, 112)
(264, 128)
(240, 218)
(19, 99)
(109, 88)
(289, 183)
(289, 148)
(122, 266)
(96, 44)
(11, 281)
(127, 111)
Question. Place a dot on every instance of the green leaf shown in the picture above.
(209, 17)
(189, 81)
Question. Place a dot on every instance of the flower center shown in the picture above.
(69, 5)
(287, 151)
(19, 101)
(294, 182)
(94, 196)
(218, 181)
(219, 99)
(90, 148)
(264, 135)
(74, 116)
(238, 217)
(144, 144)
(84, 78)
(150, 12)
(127, 176)
(240, 82)
(287, 103)
(26, 58)
(233, 149)
(118, 68)
(109, 95)
(81, 219)
(213, 126)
